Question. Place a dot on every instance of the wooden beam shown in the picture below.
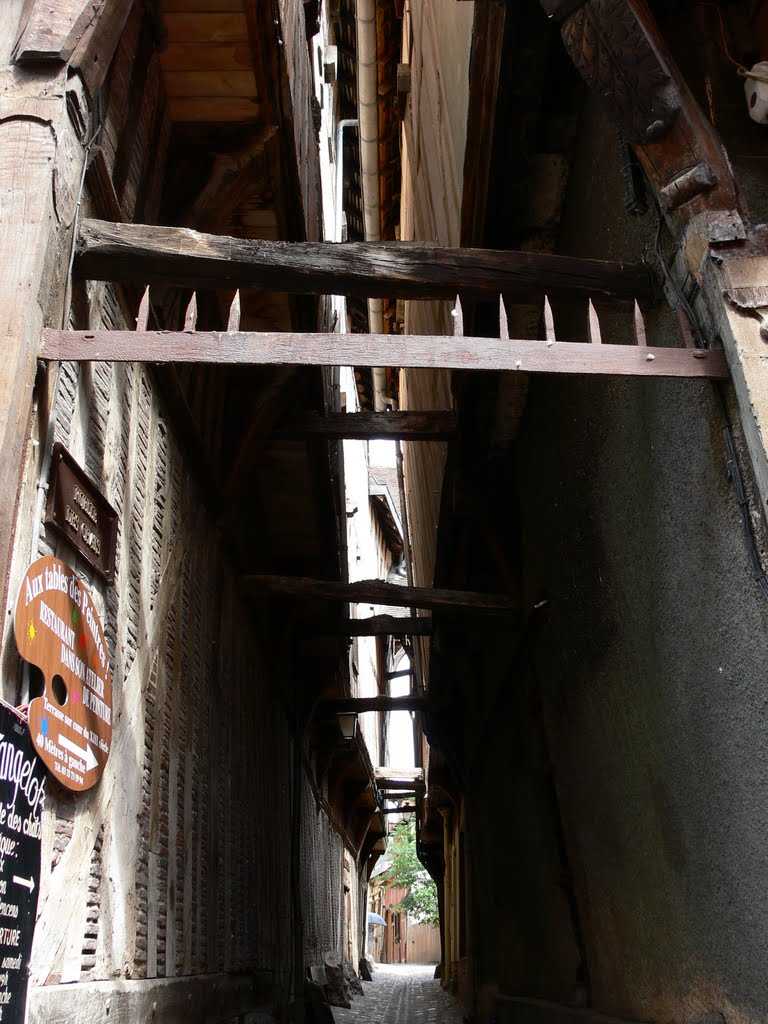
(39, 185)
(378, 592)
(398, 774)
(381, 625)
(244, 349)
(53, 30)
(96, 46)
(400, 673)
(406, 780)
(435, 425)
(485, 67)
(407, 809)
(180, 256)
(362, 705)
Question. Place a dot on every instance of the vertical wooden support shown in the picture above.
(40, 168)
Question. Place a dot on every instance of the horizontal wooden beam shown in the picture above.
(179, 256)
(362, 705)
(400, 673)
(401, 774)
(430, 425)
(407, 809)
(380, 625)
(401, 787)
(246, 348)
(378, 592)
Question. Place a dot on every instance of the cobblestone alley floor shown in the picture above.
(401, 994)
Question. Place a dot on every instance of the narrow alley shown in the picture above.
(401, 994)
(384, 533)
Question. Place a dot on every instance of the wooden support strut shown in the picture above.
(430, 425)
(379, 625)
(381, 350)
(362, 705)
(179, 256)
(378, 592)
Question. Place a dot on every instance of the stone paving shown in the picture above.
(401, 994)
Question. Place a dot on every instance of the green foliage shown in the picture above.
(407, 872)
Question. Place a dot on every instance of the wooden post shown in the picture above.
(41, 161)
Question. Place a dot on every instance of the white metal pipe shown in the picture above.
(368, 116)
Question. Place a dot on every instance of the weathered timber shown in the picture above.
(405, 809)
(381, 625)
(620, 52)
(400, 673)
(40, 167)
(434, 425)
(486, 63)
(398, 774)
(52, 31)
(180, 256)
(97, 44)
(361, 705)
(405, 780)
(382, 350)
(378, 592)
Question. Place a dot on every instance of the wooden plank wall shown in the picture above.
(431, 211)
(298, 61)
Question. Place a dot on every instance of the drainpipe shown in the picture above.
(368, 114)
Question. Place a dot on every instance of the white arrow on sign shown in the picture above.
(87, 754)
(28, 883)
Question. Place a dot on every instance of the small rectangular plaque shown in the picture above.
(79, 512)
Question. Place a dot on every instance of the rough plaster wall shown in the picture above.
(652, 662)
(526, 945)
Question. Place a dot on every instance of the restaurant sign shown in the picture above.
(79, 512)
(58, 629)
(22, 798)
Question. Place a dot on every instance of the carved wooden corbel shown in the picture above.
(618, 49)
(614, 54)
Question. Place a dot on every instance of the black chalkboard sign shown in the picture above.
(22, 797)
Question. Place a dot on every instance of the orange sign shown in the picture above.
(59, 631)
